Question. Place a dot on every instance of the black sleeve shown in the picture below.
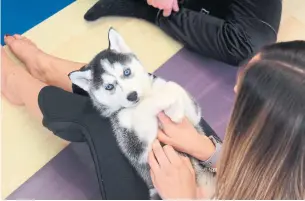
(208, 130)
(233, 39)
(62, 113)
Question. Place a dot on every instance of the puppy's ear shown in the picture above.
(116, 42)
(81, 78)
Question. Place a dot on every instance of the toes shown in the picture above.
(8, 39)
(25, 39)
(16, 41)
(17, 36)
(11, 40)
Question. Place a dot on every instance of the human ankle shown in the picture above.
(41, 67)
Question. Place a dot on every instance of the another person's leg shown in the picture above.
(232, 32)
(246, 27)
(44, 67)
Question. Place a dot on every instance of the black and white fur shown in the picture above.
(121, 89)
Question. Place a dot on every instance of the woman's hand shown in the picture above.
(172, 174)
(166, 5)
(185, 138)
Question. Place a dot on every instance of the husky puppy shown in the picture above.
(122, 90)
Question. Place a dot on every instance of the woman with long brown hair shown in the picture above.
(264, 150)
(263, 155)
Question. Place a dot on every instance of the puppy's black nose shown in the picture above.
(133, 96)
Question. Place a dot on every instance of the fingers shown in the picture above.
(170, 128)
(175, 6)
(162, 137)
(164, 157)
(172, 155)
(167, 12)
(166, 6)
(186, 122)
(150, 2)
(160, 155)
(164, 120)
(166, 124)
(154, 165)
(188, 163)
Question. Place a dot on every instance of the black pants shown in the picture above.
(232, 31)
(72, 117)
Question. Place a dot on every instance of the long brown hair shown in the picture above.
(264, 148)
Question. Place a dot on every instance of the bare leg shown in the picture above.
(44, 67)
(18, 86)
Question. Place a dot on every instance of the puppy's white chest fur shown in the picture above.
(143, 118)
(145, 128)
(163, 96)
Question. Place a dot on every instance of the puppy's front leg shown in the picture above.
(145, 114)
(183, 106)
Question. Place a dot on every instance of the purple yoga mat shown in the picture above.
(71, 174)
(210, 82)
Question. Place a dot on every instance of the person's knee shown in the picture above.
(249, 44)
(260, 36)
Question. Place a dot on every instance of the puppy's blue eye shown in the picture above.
(127, 72)
(109, 87)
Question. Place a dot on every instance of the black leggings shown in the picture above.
(72, 117)
(232, 31)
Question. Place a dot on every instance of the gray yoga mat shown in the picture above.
(71, 174)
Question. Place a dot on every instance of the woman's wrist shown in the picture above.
(203, 148)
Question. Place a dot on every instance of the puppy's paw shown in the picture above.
(176, 111)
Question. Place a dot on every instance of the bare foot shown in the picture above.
(8, 69)
(34, 59)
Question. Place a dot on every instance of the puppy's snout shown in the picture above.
(133, 96)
